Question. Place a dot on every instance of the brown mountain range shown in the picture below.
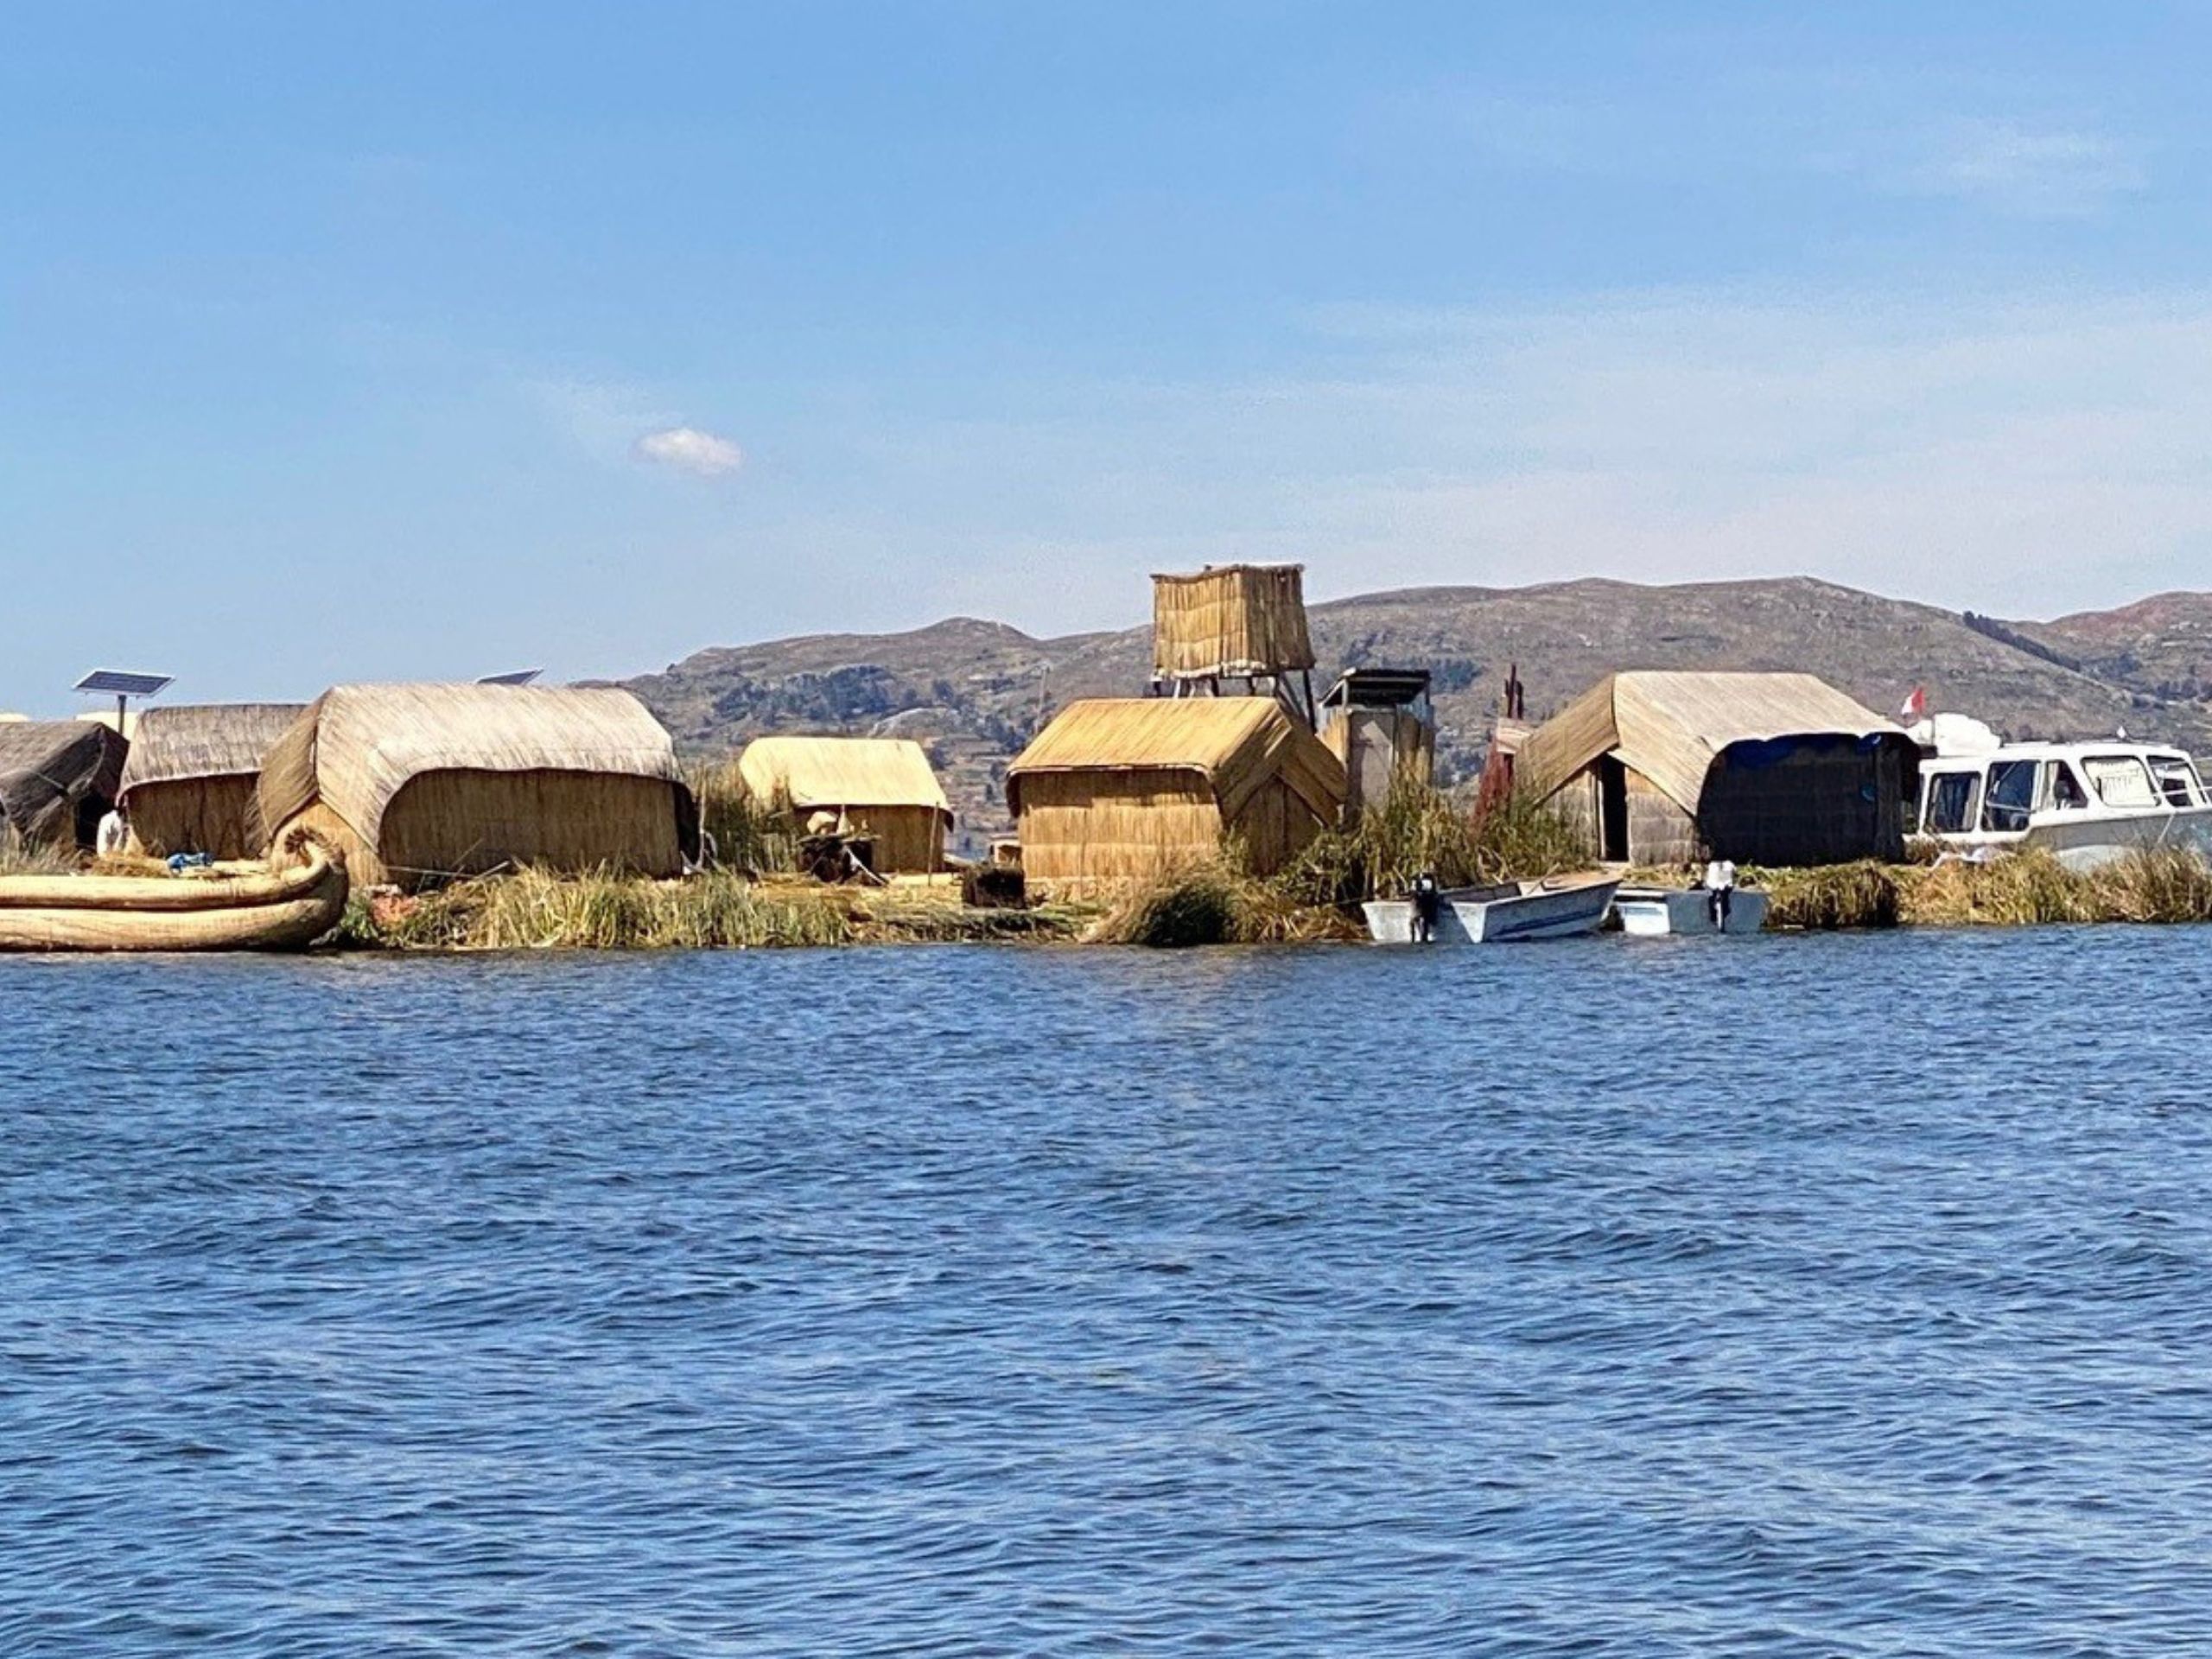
(973, 692)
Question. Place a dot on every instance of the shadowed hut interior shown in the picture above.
(417, 782)
(1669, 768)
(58, 778)
(189, 783)
(882, 788)
(1121, 789)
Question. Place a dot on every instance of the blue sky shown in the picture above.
(391, 341)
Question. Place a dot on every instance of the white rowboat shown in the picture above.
(1511, 911)
(1654, 912)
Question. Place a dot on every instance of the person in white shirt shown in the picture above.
(114, 835)
(1721, 890)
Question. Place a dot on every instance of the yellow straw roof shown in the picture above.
(1671, 726)
(841, 771)
(1236, 743)
(356, 746)
(206, 739)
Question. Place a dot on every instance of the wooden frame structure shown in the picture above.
(1234, 622)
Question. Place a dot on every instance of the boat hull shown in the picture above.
(1652, 912)
(2094, 842)
(265, 910)
(1522, 911)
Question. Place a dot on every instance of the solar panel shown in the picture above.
(518, 677)
(116, 682)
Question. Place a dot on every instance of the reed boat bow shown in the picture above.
(284, 904)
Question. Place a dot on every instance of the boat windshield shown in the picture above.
(1950, 803)
(2122, 781)
(2011, 796)
(2177, 780)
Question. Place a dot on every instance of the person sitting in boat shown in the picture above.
(1720, 891)
(2065, 792)
(113, 836)
(1429, 901)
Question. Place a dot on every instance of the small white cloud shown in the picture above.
(2053, 174)
(689, 449)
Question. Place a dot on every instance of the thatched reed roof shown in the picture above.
(205, 739)
(1236, 744)
(1230, 620)
(841, 771)
(47, 766)
(355, 747)
(1671, 727)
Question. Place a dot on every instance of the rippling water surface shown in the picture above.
(1804, 1295)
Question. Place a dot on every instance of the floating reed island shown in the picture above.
(1228, 804)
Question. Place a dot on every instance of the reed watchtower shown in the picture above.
(1232, 622)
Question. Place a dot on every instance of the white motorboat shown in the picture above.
(1653, 912)
(1556, 909)
(2086, 804)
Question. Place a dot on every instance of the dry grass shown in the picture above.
(720, 910)
(1835, 897)
(2021, 890)
(1212, 901)
(19, 859)
(1418, 827)
(746, 835)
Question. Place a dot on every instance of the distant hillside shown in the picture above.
(973, 692)
(2160, 646)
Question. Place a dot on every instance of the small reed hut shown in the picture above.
(1232, 622)
(1668, 768)
(880, 788)
(58, 778)
(189, 783)
(416, 783)
(1115, 789)
(1378, 721)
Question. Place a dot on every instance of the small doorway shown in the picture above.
(1613, 810)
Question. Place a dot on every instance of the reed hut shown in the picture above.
(189, 783)
(1232, 622)
(1115, 789)
(416, 783)
(58, 778)
(880, 788)
(1668, 768)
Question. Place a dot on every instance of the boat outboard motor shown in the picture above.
(1428, 900)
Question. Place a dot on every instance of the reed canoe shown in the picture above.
(285, 905)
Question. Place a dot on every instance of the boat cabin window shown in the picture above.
(2067, 794)
(2011, 796)
(1950, 803)
(2122, 781)
(2177, 780)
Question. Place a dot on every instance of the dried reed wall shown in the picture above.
(197, 815)
(1089, 828)
(1239, 619)
(467, 822)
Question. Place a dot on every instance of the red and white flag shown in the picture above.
(1916, 707)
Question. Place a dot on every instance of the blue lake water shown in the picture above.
(1830, 1295)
